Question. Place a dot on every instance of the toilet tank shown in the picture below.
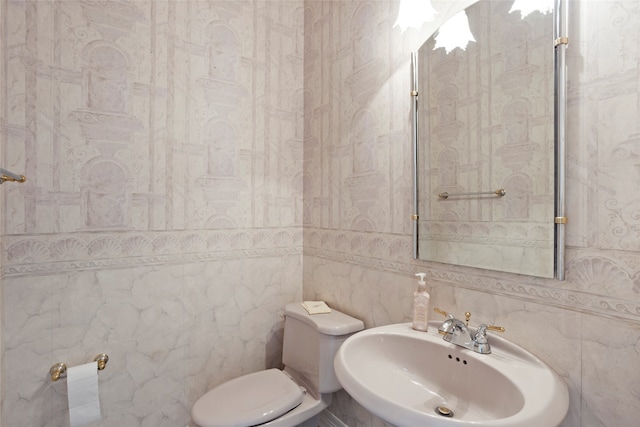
(311, 342)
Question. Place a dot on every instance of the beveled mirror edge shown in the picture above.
(560, 65)
(560, 88)
(414, 142)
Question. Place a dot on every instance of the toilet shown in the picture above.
(291, 397)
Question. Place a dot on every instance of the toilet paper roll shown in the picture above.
(83, 394)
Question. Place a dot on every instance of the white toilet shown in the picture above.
(288, 398)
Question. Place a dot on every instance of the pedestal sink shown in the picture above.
(411, 379)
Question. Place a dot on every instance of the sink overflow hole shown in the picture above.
(444, 411)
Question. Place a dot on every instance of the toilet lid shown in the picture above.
(248, 400)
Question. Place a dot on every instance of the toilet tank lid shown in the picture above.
(334, 323)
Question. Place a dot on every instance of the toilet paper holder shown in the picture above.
(59, 370)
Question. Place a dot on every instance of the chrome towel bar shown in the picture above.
(499, 192)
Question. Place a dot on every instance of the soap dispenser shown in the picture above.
(420, 304)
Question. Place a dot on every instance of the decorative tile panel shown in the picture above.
(161, 218)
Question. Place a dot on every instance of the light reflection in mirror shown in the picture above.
(527, 7)
(487, 122)
(454, 33)
(414, 13)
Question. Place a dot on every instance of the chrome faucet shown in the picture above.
(457, 332)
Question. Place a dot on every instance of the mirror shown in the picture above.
(489, 141)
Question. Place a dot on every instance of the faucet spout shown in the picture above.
(447, 325)
(457, 332)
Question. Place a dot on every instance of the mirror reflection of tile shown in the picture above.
(488, 114)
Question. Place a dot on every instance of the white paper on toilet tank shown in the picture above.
(83, 394)
(316, 307)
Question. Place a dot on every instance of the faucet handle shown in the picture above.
(446, 326)
(480, 341)
(467, 317)
(439, 311)
(480, 337)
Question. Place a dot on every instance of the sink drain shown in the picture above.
(444, 411)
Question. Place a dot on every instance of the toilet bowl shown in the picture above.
(294, 396)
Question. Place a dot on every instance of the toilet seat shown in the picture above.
(248, 400)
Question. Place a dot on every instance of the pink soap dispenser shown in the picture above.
(420, 304)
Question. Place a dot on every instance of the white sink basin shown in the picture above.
(403, 376)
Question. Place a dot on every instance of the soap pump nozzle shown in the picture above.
(421, 283)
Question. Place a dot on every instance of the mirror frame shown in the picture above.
(560, 40)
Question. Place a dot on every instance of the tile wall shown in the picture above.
(357, 250)
(168, 146)
(161, 221)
